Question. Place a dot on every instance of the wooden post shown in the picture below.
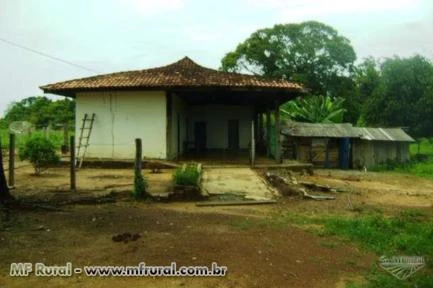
(138, 153)
(65, 138)
(259, 127)
(11, 160)
(4, 189)
(72, 164)
(277, 133)
(268, 132)
(327, 153)
(253, 145)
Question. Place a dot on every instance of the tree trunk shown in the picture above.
(4, 189)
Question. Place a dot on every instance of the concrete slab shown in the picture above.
(238, 181)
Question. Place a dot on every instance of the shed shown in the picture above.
(324, 145)
(341, 145)
(379, 145)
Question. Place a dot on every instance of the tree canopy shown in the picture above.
(41, 111)
(398, 92)
(311, 53)
(392, 92)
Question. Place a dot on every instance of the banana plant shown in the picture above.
(314, 109)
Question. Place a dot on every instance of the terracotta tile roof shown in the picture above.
(184, 73)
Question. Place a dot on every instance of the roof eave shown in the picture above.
(72, 92)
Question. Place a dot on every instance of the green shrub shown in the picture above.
(187, 175)
(40, 151)
(140, 187)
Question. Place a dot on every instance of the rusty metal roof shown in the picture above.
(181, 74)
(332, 130)
(344, 130)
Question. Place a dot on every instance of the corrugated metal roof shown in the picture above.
(384, 134)
(341, 130)
(332, 130)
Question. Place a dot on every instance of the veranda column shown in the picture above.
(268, 132)
(277, 133)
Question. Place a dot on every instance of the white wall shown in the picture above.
(120, 118)
(217, 117)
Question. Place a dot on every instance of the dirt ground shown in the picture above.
(256, 256)
(384, 189)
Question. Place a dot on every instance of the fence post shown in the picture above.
(72, 164)
(138, 156)
(65, 147)
(11, 160)
(253, 145)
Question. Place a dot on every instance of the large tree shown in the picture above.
(311, 53)
(400, 93)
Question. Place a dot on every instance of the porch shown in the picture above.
(224, 126)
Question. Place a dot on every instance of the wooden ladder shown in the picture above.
(83, 141)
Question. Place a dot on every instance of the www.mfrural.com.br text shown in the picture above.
(140, 270)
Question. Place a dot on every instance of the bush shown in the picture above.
(187, 175)
(187, 182)
(140, 187)
(40, 151)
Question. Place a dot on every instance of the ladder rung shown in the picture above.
(83, 142)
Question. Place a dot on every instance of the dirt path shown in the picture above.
(255, 256)
(387, 189)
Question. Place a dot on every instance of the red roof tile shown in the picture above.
(184, 73)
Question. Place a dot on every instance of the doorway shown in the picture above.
(200, 135)
(233, 135)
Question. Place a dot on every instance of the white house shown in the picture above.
(178, 109)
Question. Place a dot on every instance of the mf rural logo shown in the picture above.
(402, 267)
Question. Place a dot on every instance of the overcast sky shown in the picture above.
(117, 35)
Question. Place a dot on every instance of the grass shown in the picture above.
(409, 232)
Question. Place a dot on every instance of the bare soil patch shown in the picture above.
(255, 257)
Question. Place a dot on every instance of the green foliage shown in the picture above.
(311, 53)
(398, 92)
(140, 186)
(409, 233)
(379, 279)
(188, 175)
(40, 151)
(315, 109)
(41, 112)
(55, 136)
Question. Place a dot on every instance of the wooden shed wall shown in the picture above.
(372, 153)
(312, 150)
